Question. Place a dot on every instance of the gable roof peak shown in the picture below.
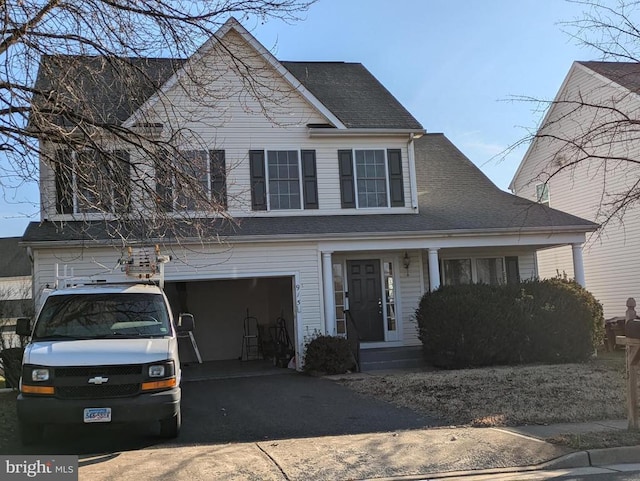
(625, 74)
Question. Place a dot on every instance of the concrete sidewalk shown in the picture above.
(411, 454)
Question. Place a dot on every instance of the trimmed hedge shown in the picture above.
(329, 355)
(553, 320)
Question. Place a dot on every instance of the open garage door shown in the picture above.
(221, 306)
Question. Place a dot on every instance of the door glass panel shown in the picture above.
(338, 288)
(390, 296)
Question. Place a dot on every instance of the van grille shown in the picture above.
(76, 382)
(82, 371)
(97, 392)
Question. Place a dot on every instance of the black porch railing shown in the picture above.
(353, 337)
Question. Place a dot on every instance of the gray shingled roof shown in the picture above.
(454, 197)
(107, 90)
(14, 261)
(97, 87)
(626, 74)
(353, 94)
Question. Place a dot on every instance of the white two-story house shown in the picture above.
(335, 198)
(583, 160)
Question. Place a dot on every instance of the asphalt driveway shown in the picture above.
(247, 409)
(285, 406)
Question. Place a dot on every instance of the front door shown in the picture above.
(365, 298)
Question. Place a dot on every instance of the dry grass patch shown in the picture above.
(8, 421)
(508, 396)
(597, 440)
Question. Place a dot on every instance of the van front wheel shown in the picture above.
(170, 427)
(30, 433)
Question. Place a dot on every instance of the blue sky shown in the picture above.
(456, 65)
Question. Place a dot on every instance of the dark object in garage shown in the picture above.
(282, 342)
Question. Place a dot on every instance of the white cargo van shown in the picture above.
(102, 353)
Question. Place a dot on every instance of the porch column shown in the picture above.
(578, 265)
(329, 296)
(434, 270)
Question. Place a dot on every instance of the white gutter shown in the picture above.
(412, 171)
(331, 132)
(425, 235)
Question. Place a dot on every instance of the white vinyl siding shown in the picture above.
(237, 123)
(194, 262)
(610, 258)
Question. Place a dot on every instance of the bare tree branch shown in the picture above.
(72, 73)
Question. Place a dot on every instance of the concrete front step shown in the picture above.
(391, 358)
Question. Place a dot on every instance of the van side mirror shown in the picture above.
(186, 322)
(23, 326)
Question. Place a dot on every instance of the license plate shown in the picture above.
(97, 415)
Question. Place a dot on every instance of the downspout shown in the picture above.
(413, 183)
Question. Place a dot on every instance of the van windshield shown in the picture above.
(93, 316)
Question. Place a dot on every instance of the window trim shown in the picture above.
(474, 267)
(386, 183)
(541, 189)
(394, 183)
(208, 163)
(303, 177)
(268, 179)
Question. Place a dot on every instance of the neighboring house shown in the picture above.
(590, 123)
(340, 197)
(15, 283)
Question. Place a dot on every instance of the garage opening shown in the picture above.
(220, 308)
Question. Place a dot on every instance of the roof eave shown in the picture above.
(365, 132)
(430, 234)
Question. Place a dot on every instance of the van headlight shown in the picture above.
(156, 370)
(162, 369)
(161, 376)
(40, 374)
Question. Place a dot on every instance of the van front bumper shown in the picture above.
(142, 408)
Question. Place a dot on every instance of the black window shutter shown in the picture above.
(258, 180)
(122, 180)
(347, 188)
(309, 179)
(396, 184)
(513, 270)
(64, 181)
(218, 169)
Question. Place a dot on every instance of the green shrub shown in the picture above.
(11, 361)
(536, 321)
(328, 354)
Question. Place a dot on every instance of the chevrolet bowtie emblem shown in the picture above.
(98, 380)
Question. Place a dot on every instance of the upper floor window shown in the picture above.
(283, 179)
(542, 193)
(371, 178)
(190, 180)
(92, 181)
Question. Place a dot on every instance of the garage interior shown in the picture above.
(220, 309)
